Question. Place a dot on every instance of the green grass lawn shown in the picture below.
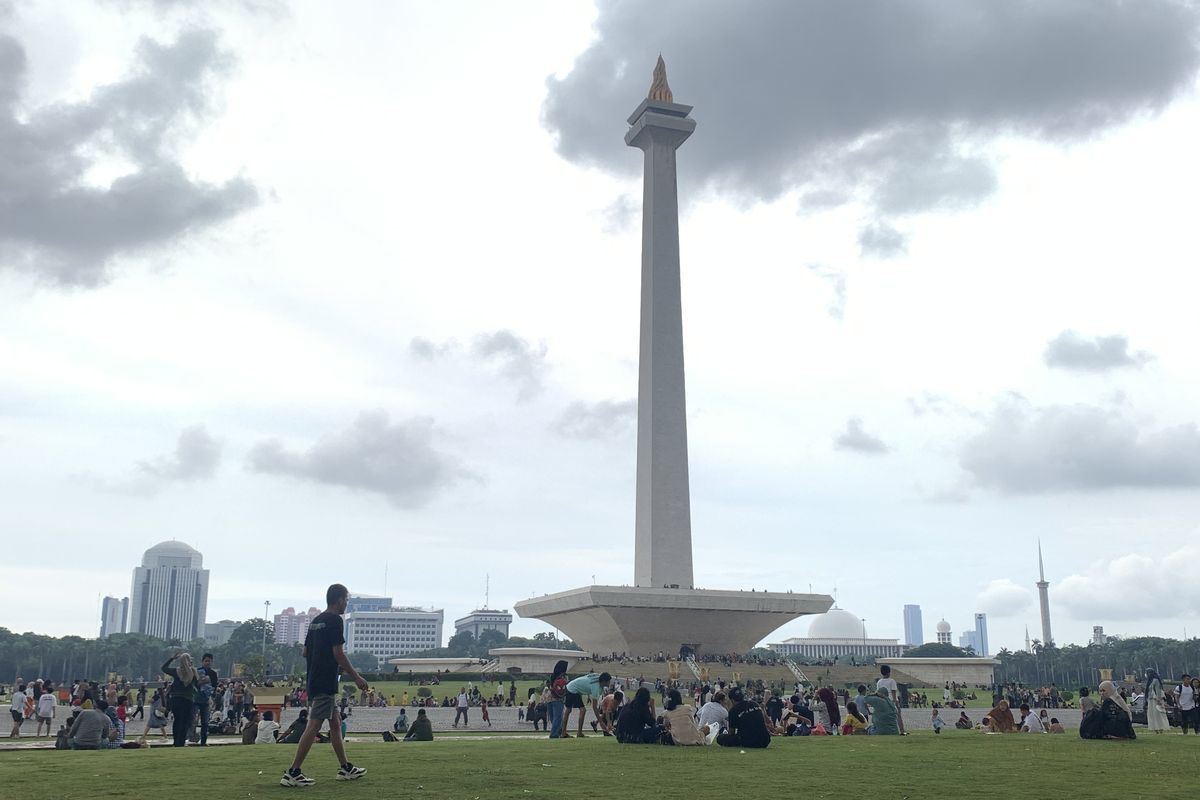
(955, 764)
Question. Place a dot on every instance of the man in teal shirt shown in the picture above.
(591, 685)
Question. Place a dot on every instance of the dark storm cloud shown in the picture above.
(857, 440)
(597, 420)
(1073, 351)
(1026, 449)
(881, 101)
(197, 456)
(58, 227)
(397, 460)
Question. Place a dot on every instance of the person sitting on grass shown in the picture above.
(250, 729)
(936, 722)
(855, 723)
(714, 714)
(400, 725)
(883, 713)
(679, 720)
(421, 730)
(964, 722)
(832, 717)
(747, 723)
(1030, 722)
(91, 729)
(636, 724)
(1112, 720)
(1001, 718)
(1056, 726)
(268, 729)
(296, 729)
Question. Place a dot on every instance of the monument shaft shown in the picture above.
(663, 544)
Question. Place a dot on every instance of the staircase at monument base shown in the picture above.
(694, 667)
(490, 666)
(795, 670)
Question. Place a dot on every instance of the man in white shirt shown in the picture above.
(46, 705)
(1185, 697)
(889, 683)
(1030, 722)
(460, 708)
(268, 729)
(714, 714)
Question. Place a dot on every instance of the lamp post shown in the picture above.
(266, 610)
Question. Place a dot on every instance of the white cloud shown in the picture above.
(857, 440)
(1004, 598)
(1134, 586)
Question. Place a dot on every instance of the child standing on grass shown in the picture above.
(483, 709)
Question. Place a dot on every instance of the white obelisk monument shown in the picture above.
(663, 611)
(663, 539)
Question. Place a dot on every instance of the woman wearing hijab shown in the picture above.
(1002, 718)
(185, 688)
(1156, 712)
(827, 698)
(1112, 720)
(636, 724)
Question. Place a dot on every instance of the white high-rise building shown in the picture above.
(170, 593)
(114, 616)
(395, 632)
(484, 619)
(981, 636)
(914, 633)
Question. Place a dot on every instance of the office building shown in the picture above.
(368, 602)
(484, 619)
(217, 633)
(969, 639)
(114, 616)
(914, 634)
(170, 593)
(394, 632)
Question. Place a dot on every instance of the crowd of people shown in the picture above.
(726, 714)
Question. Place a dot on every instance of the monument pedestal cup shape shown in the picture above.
(663, 610)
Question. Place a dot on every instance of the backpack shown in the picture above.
(388, 736)
(558, 687)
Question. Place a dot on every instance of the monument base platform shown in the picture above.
(641, 621)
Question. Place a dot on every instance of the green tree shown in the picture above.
(936, 650)
(363, 661)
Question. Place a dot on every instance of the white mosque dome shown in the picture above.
(943, 627)
(836, 623)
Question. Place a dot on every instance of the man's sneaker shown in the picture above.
(349, 772)
(294, 777)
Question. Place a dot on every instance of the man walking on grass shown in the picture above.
(323, 649)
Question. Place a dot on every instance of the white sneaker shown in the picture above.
(350, 773)
(295, 779)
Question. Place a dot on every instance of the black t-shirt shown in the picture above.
(747, 723)
(324, 634)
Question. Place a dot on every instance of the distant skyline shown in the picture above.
(321, 288)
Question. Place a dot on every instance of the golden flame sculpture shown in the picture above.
(659, 90)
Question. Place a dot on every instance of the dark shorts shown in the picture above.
(574, 700)
(322, 706)
(16, 715)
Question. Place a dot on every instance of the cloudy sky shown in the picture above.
(328, 289)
